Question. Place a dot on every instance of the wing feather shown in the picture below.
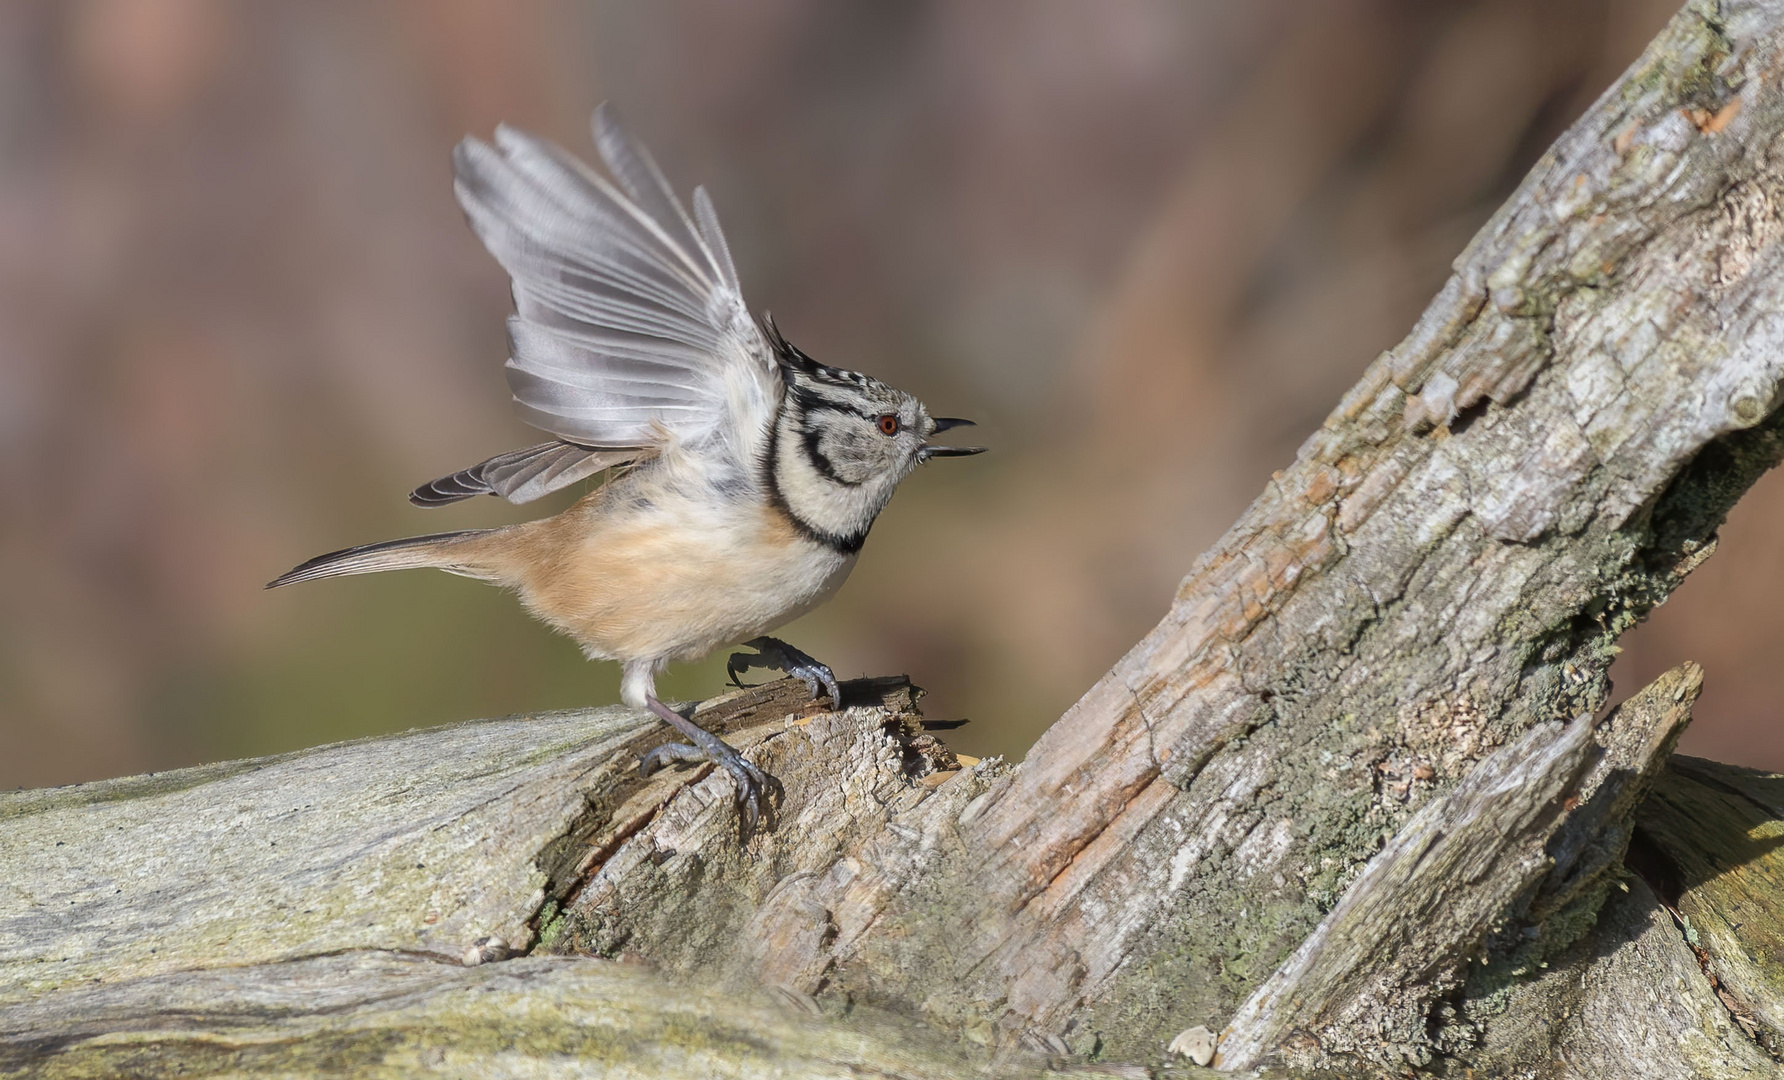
(637, 172)
(629, 322)
(715, 238)
(521, 475)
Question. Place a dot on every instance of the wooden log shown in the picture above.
(1444, 569)
(167, 985)
(427, 842)
(366, 906)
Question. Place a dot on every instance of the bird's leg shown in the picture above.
(777, 655)
(751, 781)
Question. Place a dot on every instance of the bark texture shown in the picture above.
(1448, 562)
(386, 1014)
(1524, 843)
(1345, 805)
(364, 909)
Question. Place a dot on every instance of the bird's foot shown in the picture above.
(752, 783)
(777, 655)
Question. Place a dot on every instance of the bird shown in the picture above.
(739, 476)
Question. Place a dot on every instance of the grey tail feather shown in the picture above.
(370, 558)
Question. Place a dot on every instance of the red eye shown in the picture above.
(888, 424)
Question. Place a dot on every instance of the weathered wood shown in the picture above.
(1551, 810)
(365, 1008)
(1365, 979)
(1443, 569)
(1647, 994)
(383, 1013)
(425, 842)
(1635, 1005)
(1711, 837)
(318, 913)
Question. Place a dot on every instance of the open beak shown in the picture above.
(949, 451)
(943, 423)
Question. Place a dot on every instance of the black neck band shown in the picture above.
(841, 544)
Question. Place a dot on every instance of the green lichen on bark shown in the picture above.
(383, 1015)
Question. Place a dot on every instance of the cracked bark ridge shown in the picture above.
(1679, 978)
(1364, 981)
(1587, 852)
(861, 813)
(1543, 818)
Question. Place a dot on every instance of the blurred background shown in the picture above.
(1150, 242)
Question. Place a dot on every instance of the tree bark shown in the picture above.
(1345, 807)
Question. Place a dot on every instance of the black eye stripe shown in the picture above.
(811, 404)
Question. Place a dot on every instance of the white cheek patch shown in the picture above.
(853, 453)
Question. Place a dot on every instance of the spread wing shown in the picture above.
(630, 331)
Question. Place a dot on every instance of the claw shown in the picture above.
(735, 666)
(775, 654)
(752, 783)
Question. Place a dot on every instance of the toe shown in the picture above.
(749, 801)
(667, 753)
(817, 677)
